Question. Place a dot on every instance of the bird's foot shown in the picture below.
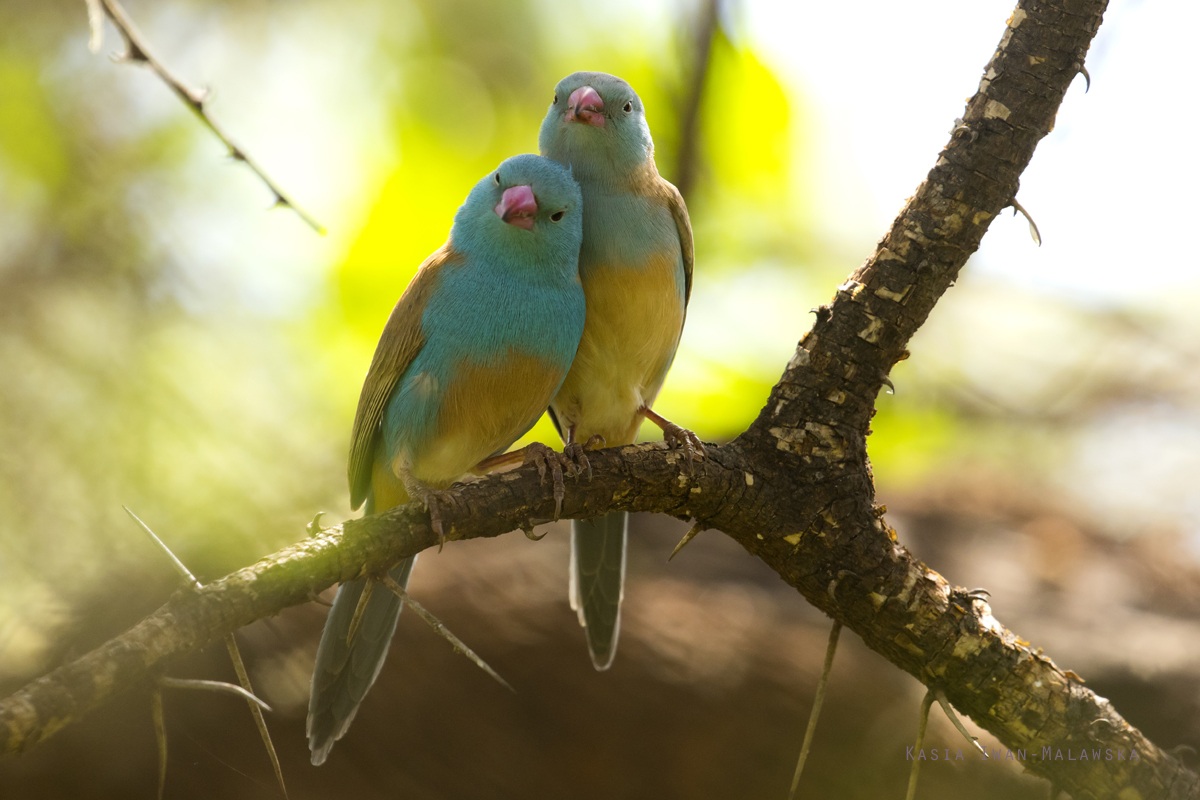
(435, 502)
(578, 452)
(548, 458)
(679, 438)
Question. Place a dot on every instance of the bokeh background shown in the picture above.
(169, 344)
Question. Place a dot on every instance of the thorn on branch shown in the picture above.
(945, 704)
(256, 705)
(179, 567)
(441, 630)
(1033, 228)
(921, 726)
(1080, 69)
(314, 528)
(212, 686)
(818, 700)
(687, 537)
(886, 381)
(530, 535)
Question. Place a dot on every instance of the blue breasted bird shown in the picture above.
(636, 268)
(469, 359)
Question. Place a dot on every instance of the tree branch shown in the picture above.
(795, 489)
(636, 478)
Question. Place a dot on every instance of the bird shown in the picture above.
(468, 361)
(635, 263)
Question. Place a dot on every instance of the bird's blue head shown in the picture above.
(528, 210)
(597, 124)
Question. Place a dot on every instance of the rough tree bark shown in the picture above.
(795, 489)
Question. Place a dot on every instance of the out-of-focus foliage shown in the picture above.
(169, 347)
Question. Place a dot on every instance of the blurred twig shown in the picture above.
(137, 52)
(220, 687)
(260, 722)
(160, 736)
(246, 690)
(689, 119)
(441, 630)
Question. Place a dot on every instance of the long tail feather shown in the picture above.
(598, 581)
(344, 672)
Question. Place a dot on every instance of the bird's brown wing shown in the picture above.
(683, 224)
(399, 344)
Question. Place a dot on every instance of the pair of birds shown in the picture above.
(564, 284)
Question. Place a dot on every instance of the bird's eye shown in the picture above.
(628, 106)
(556, 216)
(496, 178)
(555, 100)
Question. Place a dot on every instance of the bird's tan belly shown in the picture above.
(483, 411)
(634, 319)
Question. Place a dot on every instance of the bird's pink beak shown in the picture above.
(518, 206)
(584, 105)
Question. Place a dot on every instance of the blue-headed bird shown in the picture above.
(469, 359)
(636, 266)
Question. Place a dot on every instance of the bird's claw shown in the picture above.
(577, 453)
(544, 457)
(681, 438)
(433, 500)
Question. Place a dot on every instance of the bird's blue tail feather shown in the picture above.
(345, 672)
(598, 581)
